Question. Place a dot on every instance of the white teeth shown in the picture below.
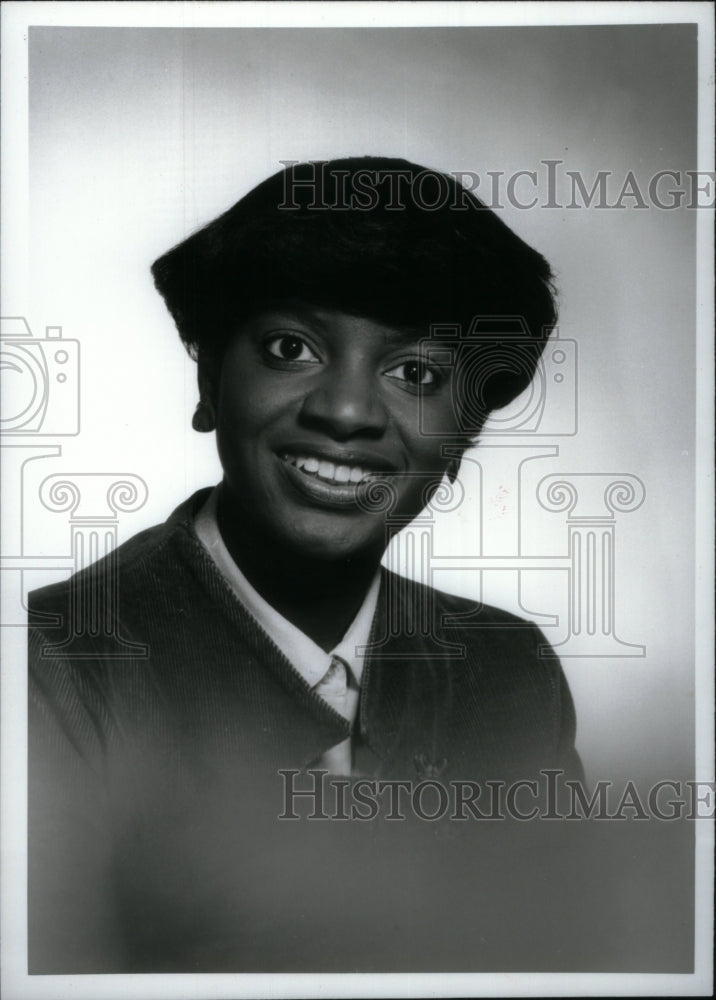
(329, 470)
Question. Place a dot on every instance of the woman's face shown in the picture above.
(312, 404)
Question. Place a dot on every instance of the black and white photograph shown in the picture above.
(357, 499)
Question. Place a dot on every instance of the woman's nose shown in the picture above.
(345, 405)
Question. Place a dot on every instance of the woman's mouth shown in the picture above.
(328, 483)
(329, 472)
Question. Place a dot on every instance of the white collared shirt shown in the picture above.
(303, 653)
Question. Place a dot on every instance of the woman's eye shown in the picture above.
(415, 373)
(289, 347)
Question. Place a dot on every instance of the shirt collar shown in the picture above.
(303, 653)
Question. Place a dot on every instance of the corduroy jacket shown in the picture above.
(165, 732)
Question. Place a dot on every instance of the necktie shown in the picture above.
(332, 688)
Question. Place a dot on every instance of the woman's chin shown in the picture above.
(335, 545)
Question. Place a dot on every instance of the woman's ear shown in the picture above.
(204, 418)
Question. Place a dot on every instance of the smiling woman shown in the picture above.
(312, 407)
(263, 634)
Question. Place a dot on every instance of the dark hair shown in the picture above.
(371, 236)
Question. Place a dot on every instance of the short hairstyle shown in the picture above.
(376, 237)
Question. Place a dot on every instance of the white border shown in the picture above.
(345, 13)
(704, 506)
(16, 17)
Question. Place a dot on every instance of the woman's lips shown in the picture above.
(328, 471)
(325, 482)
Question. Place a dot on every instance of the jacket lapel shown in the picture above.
(406, 693)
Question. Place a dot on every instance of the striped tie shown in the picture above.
(332, 688)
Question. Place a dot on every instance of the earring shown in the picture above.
(204, 419)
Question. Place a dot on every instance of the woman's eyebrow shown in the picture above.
(406, 335)
(281, 318)
(285, 313)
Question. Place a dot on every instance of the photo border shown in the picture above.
(16, 18)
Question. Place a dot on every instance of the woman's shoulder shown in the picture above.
(470, 636)
(143, 559)
(454, 611)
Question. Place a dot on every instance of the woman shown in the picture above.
(270, 641)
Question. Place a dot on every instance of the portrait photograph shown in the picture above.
(357, 499)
